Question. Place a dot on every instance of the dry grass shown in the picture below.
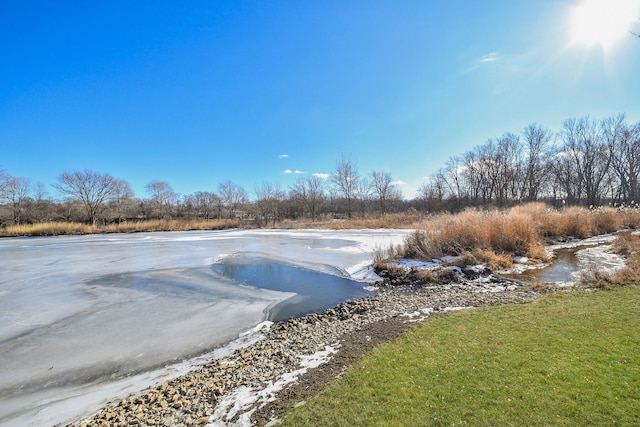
(627, 245)
(174, 225)
(62, 228)
(426, 275)
(607, 220)
(400, 220)
(494, 237)
(382, 256)
(478, 233)
(492, 259)
(48, 229)
(574, 221)
(630, 217)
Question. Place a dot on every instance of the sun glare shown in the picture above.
(603, 22)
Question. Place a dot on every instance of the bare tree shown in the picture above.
(345, 179)
(309, 190)
(268, 199)
(42, 207)
(163, 198)
(206, 204)
(508, 161)
(15, 191)
(384, 189)
(453, 177)
(591, 154)
(432, 193)
(537, 140)
(481, 172)
(91, 188)
(625, 163)
(234, 197)
(3, 178)
(363, 193)
(122, 200)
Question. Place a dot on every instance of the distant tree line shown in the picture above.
(99, 198)
(586, 163)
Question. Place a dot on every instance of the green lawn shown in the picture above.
(568, 359)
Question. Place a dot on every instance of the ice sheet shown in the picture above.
(84, 312)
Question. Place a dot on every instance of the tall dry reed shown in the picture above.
(476, 232)
(62, 228)
(48, 229)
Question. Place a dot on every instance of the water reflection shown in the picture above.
(315, 291)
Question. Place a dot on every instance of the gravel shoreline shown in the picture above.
(296, 358)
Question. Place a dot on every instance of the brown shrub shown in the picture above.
(425, 275)
(606, 220)
(512, 232)
(493, 260)
(381, 257)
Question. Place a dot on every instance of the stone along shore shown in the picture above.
(294, 359)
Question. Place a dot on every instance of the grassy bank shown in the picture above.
(568, 359)
(62, 228)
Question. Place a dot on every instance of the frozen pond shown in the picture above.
(84, 319)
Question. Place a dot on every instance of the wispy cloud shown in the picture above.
(489, 58)
(321, 175)
(399, 182)
(287, 171)
(283, 156)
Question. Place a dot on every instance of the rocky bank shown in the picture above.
(296, 358)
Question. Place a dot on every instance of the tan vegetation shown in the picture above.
(487, 236)
(405, 220)
(495, 236)
(48, 229)
(62, 228)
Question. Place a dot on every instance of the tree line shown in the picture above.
(100, 198)
(588, 162)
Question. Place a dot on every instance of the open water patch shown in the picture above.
(561, 270)
(315, 291)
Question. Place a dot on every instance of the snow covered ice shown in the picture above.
(84, 319)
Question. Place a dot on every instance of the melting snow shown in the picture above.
(245, 400)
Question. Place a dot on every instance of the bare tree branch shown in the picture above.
(91, 188)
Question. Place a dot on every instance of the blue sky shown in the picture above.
(198, 92)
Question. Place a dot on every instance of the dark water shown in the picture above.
(315, 291)
(559, 270)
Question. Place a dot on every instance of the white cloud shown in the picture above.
(321, 175)
(283, 156)
(491, 57)
(399, 182)
(289, 172)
